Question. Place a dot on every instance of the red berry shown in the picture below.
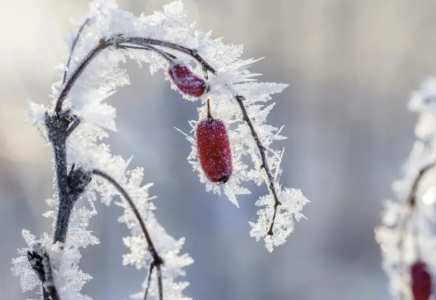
(214, 150)
(186, 81)
(421, 281)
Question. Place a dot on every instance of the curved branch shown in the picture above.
(147, 41)
(168, 56)
(121, 41)
(103, 44)
(72, 79)
(157, 260)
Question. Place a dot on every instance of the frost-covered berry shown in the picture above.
(187, 82)
(421, 281)
(214, 149)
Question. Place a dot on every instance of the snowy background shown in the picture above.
(350, 66)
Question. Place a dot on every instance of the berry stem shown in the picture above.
(209, 116)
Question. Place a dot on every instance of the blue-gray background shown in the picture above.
(350, 66)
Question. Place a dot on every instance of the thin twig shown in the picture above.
(80, 68)
(265, 165)
(168, 56)
(159, 281)
(157, 260)
(150, 271)
(73, 46)
(147, 41)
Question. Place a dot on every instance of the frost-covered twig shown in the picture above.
(119, 40)
(73, 46)
(40, 262)
(157, 260)
(264, 165)
(75, 75)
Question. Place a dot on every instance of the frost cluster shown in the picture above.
(408, 235)
(86, 147)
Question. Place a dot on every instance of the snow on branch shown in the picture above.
(231, 127)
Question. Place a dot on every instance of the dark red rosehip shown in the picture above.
(214, 150)
(421, 281)
(186, 81)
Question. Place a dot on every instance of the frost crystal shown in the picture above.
(407, 233)
(236, 99)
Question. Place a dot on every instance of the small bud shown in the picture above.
(187, 82)
(421, 281)
(214, 149)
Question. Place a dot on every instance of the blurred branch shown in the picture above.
(157, 260)
(410, 204)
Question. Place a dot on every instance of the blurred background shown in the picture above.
(351, 66)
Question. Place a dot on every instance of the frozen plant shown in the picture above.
(78, 120)
(407, 236)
